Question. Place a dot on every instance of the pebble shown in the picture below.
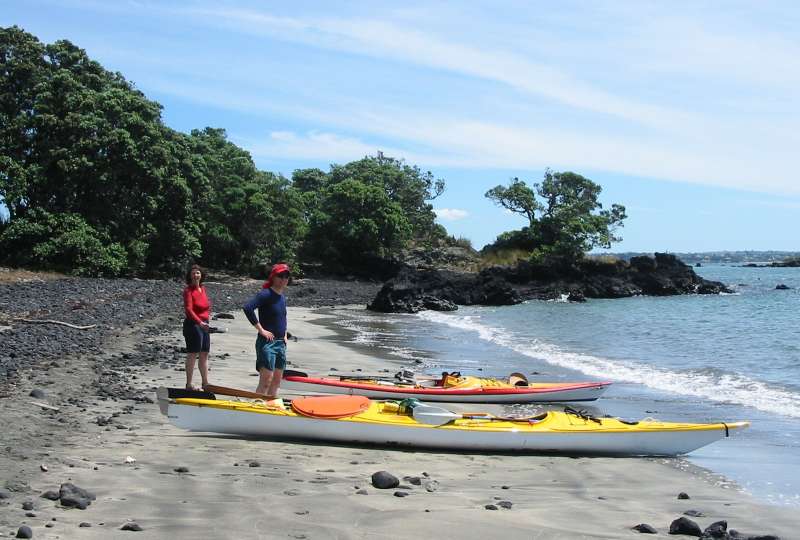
(682, 495)
(431, 485)
(401, 493)
(505, 504)
(24, 532)
(414, 480)
(490, 507)
(645, 528)
(132, 526)
(181, 469)
(51, 495)
(37, 393)
(85, 524)
(27, 505)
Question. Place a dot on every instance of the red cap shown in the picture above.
(277, 269)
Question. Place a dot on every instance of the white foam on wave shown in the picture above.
(726, 388)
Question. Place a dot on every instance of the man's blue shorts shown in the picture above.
(270, 354)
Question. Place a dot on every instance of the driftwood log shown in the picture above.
(51, 321)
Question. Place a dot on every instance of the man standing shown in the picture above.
(271, 326)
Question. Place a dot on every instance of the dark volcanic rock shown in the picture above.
(24, 532)
(384, 480)
(132, 526)
(73, 496)
(51, 495)
(685, 526)
(413, 290)
(718, 529)
(645, 528)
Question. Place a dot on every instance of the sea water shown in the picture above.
(695, 358)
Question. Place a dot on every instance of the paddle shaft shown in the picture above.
(225, 391)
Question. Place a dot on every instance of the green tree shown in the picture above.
(61, 242)
(247, 217)
(567, 222)
(355, 221)
(373, 208)
(406, 185)
(77, 139)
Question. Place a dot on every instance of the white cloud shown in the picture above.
(451, 214)
(683, 93)
(313, 145)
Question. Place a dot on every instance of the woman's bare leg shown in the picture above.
(190, 357)
(203, 365)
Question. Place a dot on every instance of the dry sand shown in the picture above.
(317, 491)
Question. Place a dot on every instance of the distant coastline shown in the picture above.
(721, 257)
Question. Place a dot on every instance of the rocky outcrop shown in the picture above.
(789, 263)
(413, 290)
(416, 290)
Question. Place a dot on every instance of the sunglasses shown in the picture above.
(283, 275)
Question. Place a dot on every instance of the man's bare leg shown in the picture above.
(264, 380)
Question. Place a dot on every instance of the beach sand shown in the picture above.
(239, 488)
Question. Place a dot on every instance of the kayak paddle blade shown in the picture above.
(434, 416)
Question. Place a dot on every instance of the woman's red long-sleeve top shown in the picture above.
(196, 304)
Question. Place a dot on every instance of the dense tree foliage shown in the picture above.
(567, 222)
(95, 183)
(78, 140)
(370, 208)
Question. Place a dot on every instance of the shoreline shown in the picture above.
(244, 488)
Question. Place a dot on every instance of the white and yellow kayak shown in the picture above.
(356, 419)
(453, 388)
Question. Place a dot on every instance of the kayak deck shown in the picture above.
(386, 413)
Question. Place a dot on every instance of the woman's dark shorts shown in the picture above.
(196, 339)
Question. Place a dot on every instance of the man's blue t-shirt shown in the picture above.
(271, 311)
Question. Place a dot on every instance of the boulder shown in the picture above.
(75, 497)
(384, 480)
(686, 526)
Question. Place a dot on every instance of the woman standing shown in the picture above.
(271, 327)
(195, 326)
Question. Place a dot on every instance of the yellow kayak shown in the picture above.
(356, 419)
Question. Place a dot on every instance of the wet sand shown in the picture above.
(240, 488)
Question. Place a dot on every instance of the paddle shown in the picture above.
(437, 416)
(225, 391)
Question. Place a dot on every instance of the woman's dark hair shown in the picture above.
(192, 269)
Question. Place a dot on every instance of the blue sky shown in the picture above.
(685, 112)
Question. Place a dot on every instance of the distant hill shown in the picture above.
(734, 257)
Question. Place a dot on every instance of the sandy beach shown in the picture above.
(129, 456)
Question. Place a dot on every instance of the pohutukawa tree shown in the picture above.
(565, 217)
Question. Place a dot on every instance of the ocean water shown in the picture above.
(683, 358)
